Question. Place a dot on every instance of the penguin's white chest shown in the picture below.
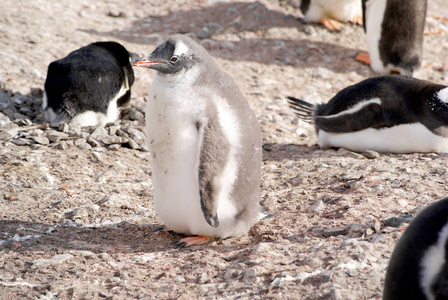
(374, 15)
(404, 138)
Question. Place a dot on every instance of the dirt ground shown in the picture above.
(77, 219)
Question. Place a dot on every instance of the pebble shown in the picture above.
(397, 221)
(55, 260)
(370, 154)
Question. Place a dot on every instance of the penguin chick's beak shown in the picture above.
(144, 62)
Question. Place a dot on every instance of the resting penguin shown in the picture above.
(331, 12)
(205, 144)
(88, 86)
(418, 268)
(392, 113)
(394, 34)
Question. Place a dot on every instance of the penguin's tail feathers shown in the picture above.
(304, 110)
(62, 117)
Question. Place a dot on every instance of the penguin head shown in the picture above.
(176, 55)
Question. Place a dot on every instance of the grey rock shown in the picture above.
(56, 136)
(79, 212)
(114, 147)
(21, 142)
(396, 221)
(334, 231)
(40, 140)
(136, 135)
(55, 260)
(133, 145)
(99, 132)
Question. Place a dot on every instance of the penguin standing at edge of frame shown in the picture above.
(418, 268)
(89, 85)
(394, 35)
(394, 113)
(205, 145)
(331, 12)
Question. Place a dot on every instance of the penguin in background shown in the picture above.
(394, 34)
(89, 85)
(418, 268)
(205, 145)
(331, 12)
(397, 114)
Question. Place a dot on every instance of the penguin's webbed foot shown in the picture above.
(364, 58)
(191, 241)
(331, 24)
(164, 228)
(356, 20)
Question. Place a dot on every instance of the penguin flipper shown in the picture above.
(369, 116)
(214, 153)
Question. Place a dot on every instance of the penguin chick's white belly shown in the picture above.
(174, 143)
(341, 10)
(405, 138)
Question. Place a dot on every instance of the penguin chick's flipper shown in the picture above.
(214, 153)
(191, 241)
(370, 115)
(302, 109)
(331, 24)
(62, 117)
(364, 58)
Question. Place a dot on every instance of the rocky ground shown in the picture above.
(76, 214)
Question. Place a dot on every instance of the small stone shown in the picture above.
(99, 132)
(204, 33)
(136, 135)
(316, 207)
(133, 145)
(36, 92)
(114, 147)
(357, 230)
(21, 142)
(396, 221)
(334, 231)
(135, 115)
(55, 260)
(79, 213)
(370, 154)
(40, 140)
(56, 136)
(62, 146)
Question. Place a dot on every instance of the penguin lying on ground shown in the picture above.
(205, 144)
(394, 34)
(331, 12)
(396, 114)
(88, 86)
(418, 268)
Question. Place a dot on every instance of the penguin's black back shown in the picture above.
(88, 78)
(397, 94)
(404, 271)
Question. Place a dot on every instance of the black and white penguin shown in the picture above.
(394, 113)
(394, 34)
(88, 86)
(418, 267)
(331, 12)
(205, 144)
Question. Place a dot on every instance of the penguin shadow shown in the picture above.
(124, 237)
(242, 19)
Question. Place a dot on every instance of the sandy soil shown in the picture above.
(76, 215)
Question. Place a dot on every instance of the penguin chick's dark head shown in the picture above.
(176, 54)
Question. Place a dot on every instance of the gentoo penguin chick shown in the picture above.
(394, 34)
(392, 113)
(205, 144)
(331, 12)
(88, 86)
(418, 268)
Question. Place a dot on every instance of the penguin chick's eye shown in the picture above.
(173, 59)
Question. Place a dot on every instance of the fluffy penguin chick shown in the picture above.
(205, 144)
(396, 114)
(418, 268)
(329, 12)
(394, 33)
(88, 86)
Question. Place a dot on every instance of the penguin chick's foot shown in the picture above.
(192, 240)
(331, 24)
(364, 58)
(356, 19)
